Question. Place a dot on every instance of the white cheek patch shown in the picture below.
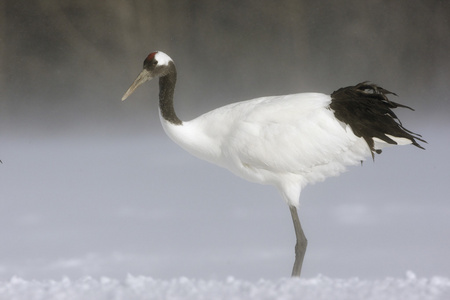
(162, 58)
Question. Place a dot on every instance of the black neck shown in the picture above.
(166, 91)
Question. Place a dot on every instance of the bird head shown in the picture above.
(157, 64)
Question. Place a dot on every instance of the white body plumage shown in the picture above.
(286, 141)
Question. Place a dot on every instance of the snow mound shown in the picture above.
(140, 287)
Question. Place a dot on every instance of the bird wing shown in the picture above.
(296, 135)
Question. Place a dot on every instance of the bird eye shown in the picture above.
(155, 62)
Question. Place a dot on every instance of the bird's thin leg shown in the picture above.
(300, 246)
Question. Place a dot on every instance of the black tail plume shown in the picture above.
(368, 111)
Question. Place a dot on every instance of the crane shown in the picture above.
(286, 141)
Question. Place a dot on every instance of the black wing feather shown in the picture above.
(368, 111)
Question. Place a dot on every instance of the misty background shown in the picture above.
(90, 185)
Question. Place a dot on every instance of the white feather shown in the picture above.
(162, 58)
(286, 141)
(379, 143)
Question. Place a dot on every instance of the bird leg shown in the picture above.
(300, 246)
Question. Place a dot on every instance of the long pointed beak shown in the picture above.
(142, 77)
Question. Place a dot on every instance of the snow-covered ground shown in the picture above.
(80, 212)
(316, 288)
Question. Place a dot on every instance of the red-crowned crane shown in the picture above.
(286, 141)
